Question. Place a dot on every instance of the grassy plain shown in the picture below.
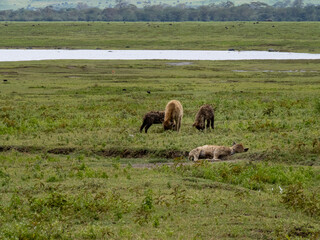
(66, 128)
(280, 36)
(90, 106)
(78, 197)
(72, 158)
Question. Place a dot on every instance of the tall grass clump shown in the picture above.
(296, 197)
(146, 208)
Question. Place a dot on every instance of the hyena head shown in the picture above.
(238, 148)
(168, 125)
(198, 126)
(193, 153)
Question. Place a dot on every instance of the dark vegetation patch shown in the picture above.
(130, 153)
(297, 198)
(112, 152)
(64, 151)
(302, 231)
(228, 11)
(23, 149)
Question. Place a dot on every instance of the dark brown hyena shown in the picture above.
(205, 113)
(153, 117)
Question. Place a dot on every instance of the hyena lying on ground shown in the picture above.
(205, 113)
(214, 152)
(153, 117)
(173, 115)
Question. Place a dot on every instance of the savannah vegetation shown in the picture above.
(123, 11)
(58, 4)
(73, 162)
(280, 36)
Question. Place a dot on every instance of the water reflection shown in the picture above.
(31, 54)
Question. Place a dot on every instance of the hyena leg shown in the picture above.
(175, 125)
(208, 123)
(215, 156)
(143, 125)
(196, 157)
(212, 122)
(179, 124)
(147, 127)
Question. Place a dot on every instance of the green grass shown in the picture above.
(280, 36)
(76, 197)
(252, 176)
(72, 158)
(81, 106)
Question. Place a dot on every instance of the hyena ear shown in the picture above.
(234, 143)
(246, 149)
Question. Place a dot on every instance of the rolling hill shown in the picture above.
(32, 4)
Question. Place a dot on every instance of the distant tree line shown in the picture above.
(255, 11)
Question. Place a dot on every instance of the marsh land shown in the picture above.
(73, 164)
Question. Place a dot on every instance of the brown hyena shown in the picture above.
(173, 115)
(215, 152)
(205, 113)
(153, 117)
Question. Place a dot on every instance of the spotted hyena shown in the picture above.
(173, 115)
(215, 152)
(153, 117)
(205, 113)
